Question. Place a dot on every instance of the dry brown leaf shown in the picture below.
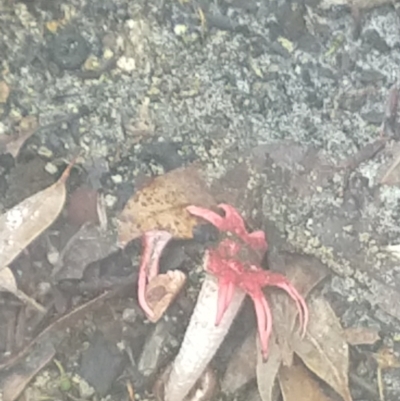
(8, 284)
(162, 290)
(7, 280)
(89, 244)
(268, 371)
(13, 143)
(305, 273)
(298, 385)
(55, 332)
(161, 205)
(324, 349)
(361, 335)
(14, 382)
(20, 225)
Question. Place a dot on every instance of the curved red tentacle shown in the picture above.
(277, 280)
(154, 243)
(232, 272)
(231, 222)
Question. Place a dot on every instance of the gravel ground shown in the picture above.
(143, 87)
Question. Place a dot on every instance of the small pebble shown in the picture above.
(129, 315)
(45, 152)
(51, 168)
(180, 29)
(116, 179)
(43, 288)
(110, 201)
(85, 390)
(91, 63)
(126, 64)
(53, 256)
(108, 54)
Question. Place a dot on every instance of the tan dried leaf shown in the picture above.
(324, 349)
(7, 281)
(9, 284)
(305, 273)
(13, 143)
(161, 205)
(20, 225)
(267, 371)
(15, 381)
(162, 290)
(298, 385)
(361, 335)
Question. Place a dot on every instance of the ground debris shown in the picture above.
(162, 205)
(89, 244)
(23, 223)
(324, 349)
(46, 342)
(361, 335)
(13, 143)
(297, 383)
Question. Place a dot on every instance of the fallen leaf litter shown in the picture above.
(162, 289)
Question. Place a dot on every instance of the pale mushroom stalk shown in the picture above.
(202, 339)
(233, 270)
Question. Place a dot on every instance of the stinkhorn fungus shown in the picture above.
(232, 272)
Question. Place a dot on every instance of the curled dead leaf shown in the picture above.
(161, 205)
(162, 290)
(13, 143)
(297, 384)
(20, 225)
(9, 284)
(305, 273)
(324, 349)
(267, 371)
(15, 381)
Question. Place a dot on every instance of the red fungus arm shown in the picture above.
(226, 263)
(154, 243)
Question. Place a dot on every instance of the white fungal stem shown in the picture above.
(202, 340)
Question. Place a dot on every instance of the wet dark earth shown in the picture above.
(289, 108)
